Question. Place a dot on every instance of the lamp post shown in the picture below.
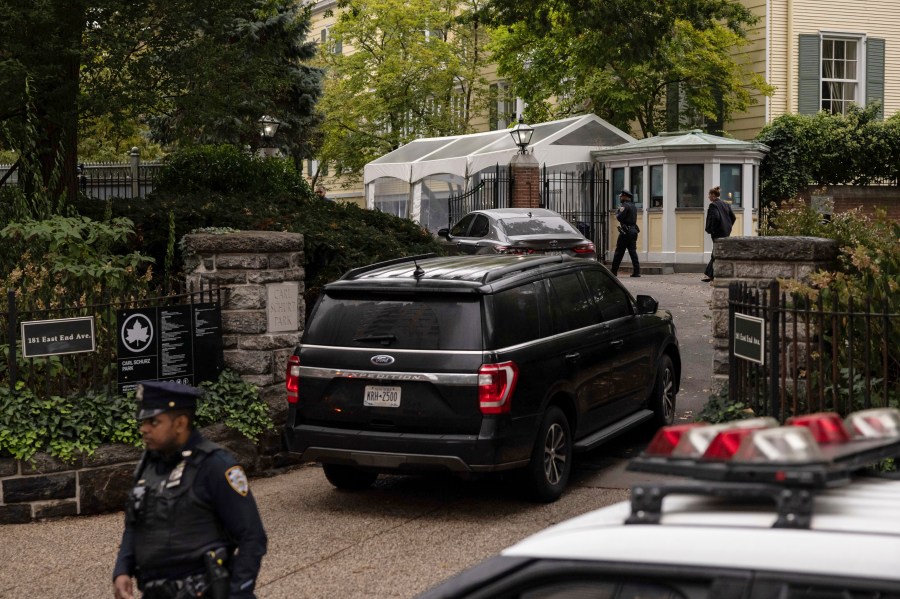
(521, 134)
(268, 125)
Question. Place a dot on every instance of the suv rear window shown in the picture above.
(445, 322)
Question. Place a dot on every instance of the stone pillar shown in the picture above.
(758, 261)
(263, 310)
(526, 174)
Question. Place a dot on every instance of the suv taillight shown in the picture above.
(496, 383)
(292, 378)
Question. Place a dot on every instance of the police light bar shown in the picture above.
(877, 423)
(810, 450)
(696, 441)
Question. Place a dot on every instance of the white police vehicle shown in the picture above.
(762, 512)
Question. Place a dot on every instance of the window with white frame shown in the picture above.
(503, 106)
(841, 71)
(329, 42)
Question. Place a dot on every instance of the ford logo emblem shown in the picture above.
(382, 360)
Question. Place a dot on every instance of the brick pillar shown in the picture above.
(526, 174)
(758, 261)
(263, 310)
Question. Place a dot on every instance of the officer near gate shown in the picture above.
(628, 233)
(192, 528)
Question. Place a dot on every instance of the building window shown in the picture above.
(331, 43)
(731, 183)
(637, 185)
(837, 69)
(503, 106)
(690, 186)
(840, 74)
(656, 186)
(618, 184)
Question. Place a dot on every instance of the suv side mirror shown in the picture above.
(646, 304)
(445, 233)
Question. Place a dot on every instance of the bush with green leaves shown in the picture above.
(827, 149)
(68, 427)
(866, 279)
(222, 187)
(63, 260)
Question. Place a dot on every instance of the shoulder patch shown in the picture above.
(237, 480)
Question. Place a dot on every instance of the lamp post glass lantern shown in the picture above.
(268, 125)
(521, 134)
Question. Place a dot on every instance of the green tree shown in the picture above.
(195, 71)
(412, 69)
(622, 59)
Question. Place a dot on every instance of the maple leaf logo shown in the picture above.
(136, 334)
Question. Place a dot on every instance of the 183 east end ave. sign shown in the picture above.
(60, 336)
(750, 338)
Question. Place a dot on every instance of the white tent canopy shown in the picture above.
(567, 141)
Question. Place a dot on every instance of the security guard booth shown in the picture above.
(670, 176)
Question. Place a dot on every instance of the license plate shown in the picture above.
(553, 252)
(382, 397)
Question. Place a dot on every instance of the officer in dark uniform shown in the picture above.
(628, 233)
(192, 528)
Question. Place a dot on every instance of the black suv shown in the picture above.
(476, 364)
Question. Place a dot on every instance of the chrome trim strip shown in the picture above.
(427, 377)
(391, 350)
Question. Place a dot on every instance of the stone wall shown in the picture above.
(262, 280)
(758, 261)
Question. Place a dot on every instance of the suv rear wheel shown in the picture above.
(547, 475)
(662, 399)
(349, 478)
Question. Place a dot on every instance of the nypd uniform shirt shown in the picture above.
(221, 483)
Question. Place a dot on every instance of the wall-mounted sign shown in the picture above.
(170, 343)
(282, 307)
(61, 336)
(750, 338)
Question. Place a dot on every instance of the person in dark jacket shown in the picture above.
(628, 233)
(719, 220)
(192, 527)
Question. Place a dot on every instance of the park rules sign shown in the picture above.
(171, 343)
(749, 338)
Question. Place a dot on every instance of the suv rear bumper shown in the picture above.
(405, 452)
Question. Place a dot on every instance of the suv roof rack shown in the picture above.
(757, 458)
(355, 272)
(499, 273)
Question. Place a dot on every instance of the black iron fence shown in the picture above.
(581, 197)
(105, 180)
(70, 373)
(812, 356)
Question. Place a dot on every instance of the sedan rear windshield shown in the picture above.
(445, 322)
(547, 225)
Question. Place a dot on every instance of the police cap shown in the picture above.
(625, 192)
(156, 397)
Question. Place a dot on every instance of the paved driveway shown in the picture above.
(400, 538)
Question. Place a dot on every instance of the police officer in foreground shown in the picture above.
(628, 233)
(192, 528)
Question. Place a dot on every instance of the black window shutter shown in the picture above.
(875, 72)
(809, 79)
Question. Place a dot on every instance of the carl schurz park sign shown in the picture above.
(171, 343)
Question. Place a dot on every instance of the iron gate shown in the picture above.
(579, 197)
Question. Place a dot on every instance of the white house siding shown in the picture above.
(875, 18)
(745, 125)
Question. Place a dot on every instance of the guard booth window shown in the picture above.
(656, 186)
(637, 185)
